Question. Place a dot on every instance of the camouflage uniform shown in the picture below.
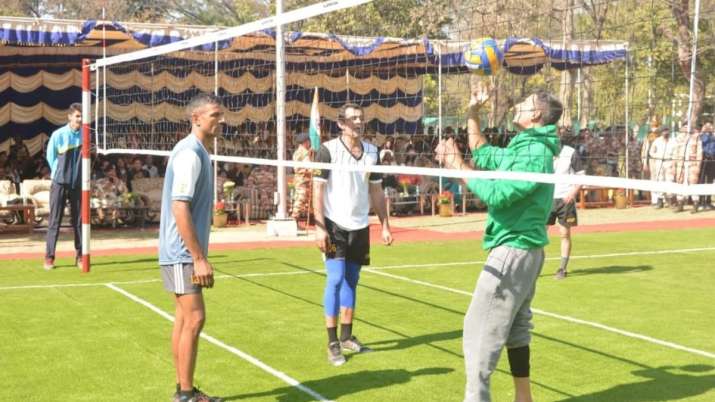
(301, 183)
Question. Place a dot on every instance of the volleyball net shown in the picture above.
(138, 102)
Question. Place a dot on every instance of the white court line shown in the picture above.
(558, 316)
(387, 267)
(263, 366)
(573, 257)
(139, 281)
(376, 270)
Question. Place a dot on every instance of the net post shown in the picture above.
(627, 118)
(86, 174)
(439, 104)
(280, 115)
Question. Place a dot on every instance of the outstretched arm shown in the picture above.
(479, 96)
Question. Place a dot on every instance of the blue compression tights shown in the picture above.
(340, 286)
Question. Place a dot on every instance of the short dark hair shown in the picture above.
(200, 100)
(344, 108)
(75, 107)
(551, 108)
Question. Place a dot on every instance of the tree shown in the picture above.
(684, 39)
(217, 12)
(597, 13)
(396, 18)
(568, 77)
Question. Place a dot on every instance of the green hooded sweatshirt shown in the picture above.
(517, 210)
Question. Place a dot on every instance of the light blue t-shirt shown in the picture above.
(188, 178)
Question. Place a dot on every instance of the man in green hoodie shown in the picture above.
(499, 314)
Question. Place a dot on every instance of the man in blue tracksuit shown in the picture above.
(64, 157)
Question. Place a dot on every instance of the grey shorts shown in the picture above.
(177, 278)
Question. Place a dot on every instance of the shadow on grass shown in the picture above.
(344, 384)
(428, 339)
(387, 292)
(320, 305)
(611, 269)
(665, 383)
(404, 343)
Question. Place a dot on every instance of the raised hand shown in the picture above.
(447, 153)
(480, 91)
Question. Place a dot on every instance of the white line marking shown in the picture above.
(558, 316)
(626, 333)
(66, 285)
(573, 257)
(140, 281)
(375, 270)
(270, 370)
(387, 267)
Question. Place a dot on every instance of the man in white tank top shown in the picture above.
(563, 211)
(341, 202)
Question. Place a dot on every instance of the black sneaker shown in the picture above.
(354, 345)
(335, 354)
(199, 396)
(560, 274)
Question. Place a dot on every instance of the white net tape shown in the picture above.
(582, 180)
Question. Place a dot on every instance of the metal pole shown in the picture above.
(215, 138)
(347, 84)
(104, 83)
(627, 100)
(578, 97)
(96, 107)
(439, 99)
(280, 114)
(693, 62)
(86, 171)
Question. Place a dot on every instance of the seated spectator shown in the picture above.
(4, 175)
(108, 193)
(122, 170)
(136, 171)
(150, 167)
(44, 173)
(387, 149)
(235, 174)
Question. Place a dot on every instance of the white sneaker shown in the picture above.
(335, 354)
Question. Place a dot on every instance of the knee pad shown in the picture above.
(519, 361)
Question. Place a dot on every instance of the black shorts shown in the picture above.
(352, 245)
(566, 213)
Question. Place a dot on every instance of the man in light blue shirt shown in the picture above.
(184, 238)
(64, 155)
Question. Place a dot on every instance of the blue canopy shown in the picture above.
(36, 57)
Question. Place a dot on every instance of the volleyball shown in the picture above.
(483, 56)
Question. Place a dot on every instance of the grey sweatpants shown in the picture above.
(499, 314)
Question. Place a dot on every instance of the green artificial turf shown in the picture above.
(66, 336)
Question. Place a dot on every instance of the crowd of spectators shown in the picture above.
(602, 151)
